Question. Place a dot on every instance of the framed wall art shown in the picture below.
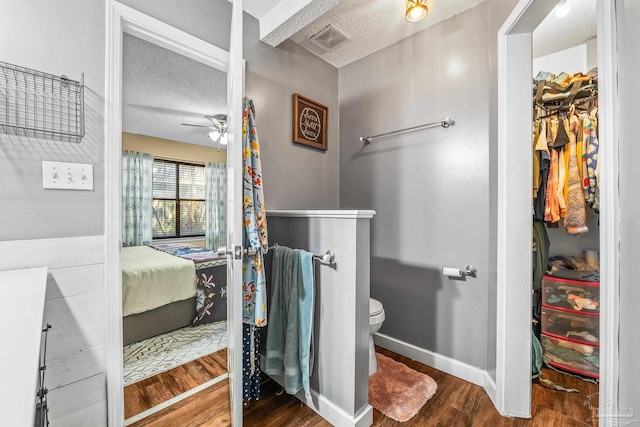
(309, 122)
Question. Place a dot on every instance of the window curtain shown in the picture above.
(254, 313)
(137, 198)
(215, 204)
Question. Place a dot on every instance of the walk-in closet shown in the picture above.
(565, 207)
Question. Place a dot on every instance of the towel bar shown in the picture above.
(329, 257)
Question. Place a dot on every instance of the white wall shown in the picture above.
(572, 60)
(74, 306)
(578, 59)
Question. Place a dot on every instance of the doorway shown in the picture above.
(174, 128)
(121, 20)
(514, 205)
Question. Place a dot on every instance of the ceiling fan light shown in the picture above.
(214, 135)
(223, 139)
(416, 10)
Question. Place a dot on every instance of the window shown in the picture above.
(178, 199)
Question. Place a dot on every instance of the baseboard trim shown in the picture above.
(446, 364)
(491, 389)
(330, 412)
(173, 400)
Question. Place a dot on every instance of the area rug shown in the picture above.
(149, 357)
(399, 391)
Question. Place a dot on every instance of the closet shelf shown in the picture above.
(39, 105)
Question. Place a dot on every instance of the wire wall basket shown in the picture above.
(40, 105)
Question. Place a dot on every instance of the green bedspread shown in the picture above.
(151, 279)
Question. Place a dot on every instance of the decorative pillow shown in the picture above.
(211, 295)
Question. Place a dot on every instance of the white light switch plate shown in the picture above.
(67, 176)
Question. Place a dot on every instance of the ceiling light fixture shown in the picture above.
(562, 9)
(416, 10)
(218, 137)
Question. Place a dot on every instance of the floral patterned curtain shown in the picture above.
(215, 204)
(255, 222)
(254, 313)
(137, 198)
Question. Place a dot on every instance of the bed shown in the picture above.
(170, 286)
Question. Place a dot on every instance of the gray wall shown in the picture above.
(272, 77)
(341, 322)
(629, 57)
(430, 189)
(68, 37)
(45, 36)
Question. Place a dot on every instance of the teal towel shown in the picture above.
(305, 313)
(290, 319)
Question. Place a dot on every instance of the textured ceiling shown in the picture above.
(162, 89)
(259, 8)
(274, 29)
(374, 25)
(555, 34)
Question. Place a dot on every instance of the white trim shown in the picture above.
(235, 112)
(53, 253)
(437, 361)
(490, 387)
(161, 34)
(513, 389)
(336, 416)
(608, 126)
(113, 229)
(173, 400)
(121, 18)
(322, 213)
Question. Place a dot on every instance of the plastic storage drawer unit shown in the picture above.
(582, 359)
(578, 327)
(571, 294)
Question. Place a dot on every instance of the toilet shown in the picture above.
(376, 317)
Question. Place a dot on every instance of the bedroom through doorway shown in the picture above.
(174, 285)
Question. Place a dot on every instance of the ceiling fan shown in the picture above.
(218, 133)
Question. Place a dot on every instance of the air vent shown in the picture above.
(328, 38)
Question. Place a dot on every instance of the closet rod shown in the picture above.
(445, 123)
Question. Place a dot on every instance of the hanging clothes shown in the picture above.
(250, 362)
(592, 161)
(576, 219)
(254, 312)
(585, 131)
(552, 207)
(538, 207)
(565, 150)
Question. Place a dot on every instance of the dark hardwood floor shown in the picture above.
(145, 394)
(456, 403)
